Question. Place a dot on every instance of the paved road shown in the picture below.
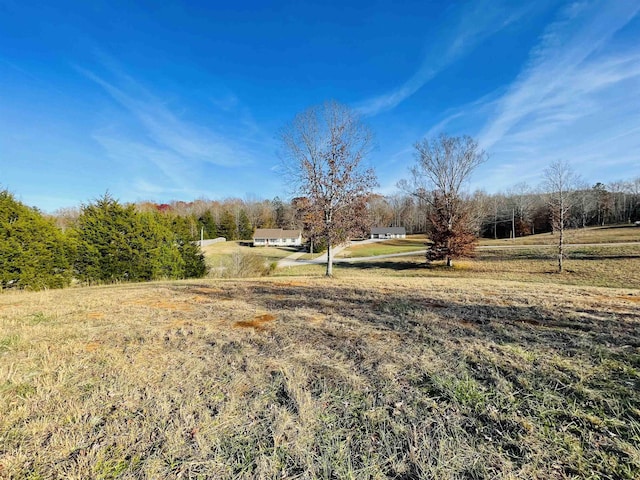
(291, 262)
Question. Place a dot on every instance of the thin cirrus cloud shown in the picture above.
(478, 22)
(576, 99)
(571, 76)
(136, 154)
(169, 133)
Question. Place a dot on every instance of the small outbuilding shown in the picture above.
(388, 232)
(277, 237)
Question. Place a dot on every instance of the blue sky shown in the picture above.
(182, 100)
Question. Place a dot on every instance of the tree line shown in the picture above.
(521, 210)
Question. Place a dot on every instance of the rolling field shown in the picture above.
(606, 234)
(396, 245)
(363, 376)
(220, 251)
(605, 266)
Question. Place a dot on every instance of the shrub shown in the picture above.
(116, 243)
(34, 253)
(242, 265)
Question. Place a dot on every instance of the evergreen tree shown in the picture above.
(228, 228)
(207, 222)
(245, 230)
(34, 253)
(194, 263)
(109, 242)
(114, 242)
(162, 258)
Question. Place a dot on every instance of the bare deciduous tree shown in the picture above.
(585, 202)
(560, 182)
(521, 199)
(443, 165)
(323, 151)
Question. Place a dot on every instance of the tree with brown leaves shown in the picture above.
(323, 150)
(443, 165)
(450, 240)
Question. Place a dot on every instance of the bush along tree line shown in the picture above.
(106, 242)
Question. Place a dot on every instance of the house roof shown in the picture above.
(275, 233)
(391, 230)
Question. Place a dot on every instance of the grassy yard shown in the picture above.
(605, 266)
(218, 252)
(386, 247)
(607, 234)
(367, 377)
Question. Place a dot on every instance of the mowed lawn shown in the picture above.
(218, 252)
(591, 235)
(386, 247)
(373, 376)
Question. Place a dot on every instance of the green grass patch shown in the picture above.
(9, 342)
(386, 247)
(220, 251)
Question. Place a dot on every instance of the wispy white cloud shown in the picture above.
(135, 156)
(478, 21)
(143, 189)
(577, 99)
(168, 131)
(162, 151)
(557, 86)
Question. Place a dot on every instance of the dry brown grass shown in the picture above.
(606, 234)
(217, 251)
(378, 377)
(605, 266)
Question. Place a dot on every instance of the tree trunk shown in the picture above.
(449, 262)
(560, 249)
(329, 260)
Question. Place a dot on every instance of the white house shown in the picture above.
(388, 232)
(277, 237)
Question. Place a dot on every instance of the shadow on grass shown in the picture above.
(616, 227)
(569, 330)
(540, 349)
(489, 256)
(382, 264)
(586, 256)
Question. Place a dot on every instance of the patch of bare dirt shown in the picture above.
(258, 322)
